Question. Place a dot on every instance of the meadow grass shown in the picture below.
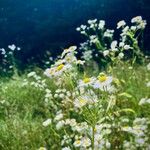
(22, 108)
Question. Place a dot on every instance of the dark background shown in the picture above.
(40, 25)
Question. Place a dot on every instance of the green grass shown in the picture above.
(22, 108)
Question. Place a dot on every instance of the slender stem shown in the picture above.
(93, 138)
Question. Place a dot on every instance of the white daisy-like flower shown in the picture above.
(121, 24)
(104, 83)
(114, 46)
(68, 50)
(57, 71)
(80, 102)
(86, 142)
(86, 82)
(77, 143)
(47, 122)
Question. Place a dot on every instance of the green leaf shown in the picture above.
(124, 94)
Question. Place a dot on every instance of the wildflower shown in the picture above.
(144, 101)
(86, 82)
(121, 55)
(47, 122)
(114, 45)
(104, 83)
(42, 148)
(93, 39)
(133, 28)
(137, 19)
(106, 53)
(59, 116)
(80, 102)
(57, 70)
(31, 74)
(148, 66)
(60, 124)
(148, 84)
(92, 21)
(69, 50)
(101, 24)
(108, 33)
(77, 143)
(126, 47)
(86, 142)
(12, 47)
(121, 24)
(66, 148)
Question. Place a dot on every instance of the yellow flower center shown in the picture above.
(78, 142)
(102, 78)
(60, 67)
(82, 101)
(86, 80)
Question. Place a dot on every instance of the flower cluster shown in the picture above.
(88, 110)
(100, 40)
(8, 60)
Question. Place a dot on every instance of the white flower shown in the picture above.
(101, 24)
(86, 142)
(68, 50)
(66, 148)
(108, 33)
(104, 83)
(106, 52)
(59, 116)
(121, 55)
(42, 148)
(114, 45)
(137, 19)
(140, 141)
(77, 143)
(126, 47)
(83, 27)
(148, 66)
(80, 102)
(31, 74)
(57, 70)
(133, 28)
(3, 52)
(121, 24)
(86, 82)
(47, 122)
(144, 101)
(121, 44)
(60, 124)
(92, 21)
(12, 47)
(93, 39)
(148, 84)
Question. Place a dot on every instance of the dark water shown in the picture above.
(40, 25)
